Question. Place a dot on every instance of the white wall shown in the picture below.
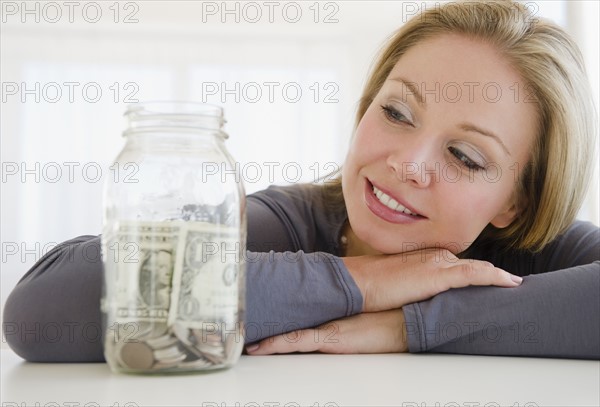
(172, 52)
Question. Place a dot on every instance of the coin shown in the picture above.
(137, 355)
(161, 341)
(183, 334)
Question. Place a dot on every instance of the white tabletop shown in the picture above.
(314, 380)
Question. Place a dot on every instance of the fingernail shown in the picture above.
(516, 279)
(252, 348)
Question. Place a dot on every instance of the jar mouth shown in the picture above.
(147, 116)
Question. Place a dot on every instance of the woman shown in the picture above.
(440, 167)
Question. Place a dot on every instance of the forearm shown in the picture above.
(552, 315)
(289, 291)
(53, 314)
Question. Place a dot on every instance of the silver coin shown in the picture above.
(161, 341)
(167, 353)
(209, 342)
(168, 363)
(183, 334)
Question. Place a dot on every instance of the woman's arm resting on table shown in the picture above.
(552, 315)
(370, 332)
(387, 283)
(53, 314)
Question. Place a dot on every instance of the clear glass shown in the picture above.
(173, 237)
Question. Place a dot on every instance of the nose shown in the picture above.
(415, 163)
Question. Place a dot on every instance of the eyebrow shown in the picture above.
(412, 86)
(473, 128)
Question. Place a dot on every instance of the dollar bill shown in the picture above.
(143, 269)
(179, 282)
(207, 275)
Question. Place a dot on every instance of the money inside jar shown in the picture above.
(176, 299)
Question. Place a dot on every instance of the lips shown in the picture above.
(388, 207)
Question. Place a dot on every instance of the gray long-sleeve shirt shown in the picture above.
(296, 279)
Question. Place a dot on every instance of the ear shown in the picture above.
(505, 217)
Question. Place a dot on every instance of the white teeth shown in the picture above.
(391, 202)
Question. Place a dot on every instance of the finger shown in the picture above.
(474, 272)
(295, 341)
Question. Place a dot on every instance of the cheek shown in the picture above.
(475, 202)
(367, 145)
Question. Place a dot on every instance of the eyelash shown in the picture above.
(464, 159)
(392, 115)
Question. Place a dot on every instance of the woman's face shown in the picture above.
(437, 154)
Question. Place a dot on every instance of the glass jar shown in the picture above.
(174, 232)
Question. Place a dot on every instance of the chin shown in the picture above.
(378, 245)
(395, 248)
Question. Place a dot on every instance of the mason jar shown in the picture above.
(174, 232)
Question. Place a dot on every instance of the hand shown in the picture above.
(392, 281)
(377, 332)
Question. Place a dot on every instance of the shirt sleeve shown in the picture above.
(53, 313)
(553, 313)
(288, 291)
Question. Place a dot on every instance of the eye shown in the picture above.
(394, 115)
(464, 159)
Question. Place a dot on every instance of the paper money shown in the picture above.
(145, 257)
(179, 283)
(205, 279)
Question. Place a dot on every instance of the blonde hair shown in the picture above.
(551, 188)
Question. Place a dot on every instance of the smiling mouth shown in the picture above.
(391, 204)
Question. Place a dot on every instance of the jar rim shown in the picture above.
(176, 108)
(155, 116)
